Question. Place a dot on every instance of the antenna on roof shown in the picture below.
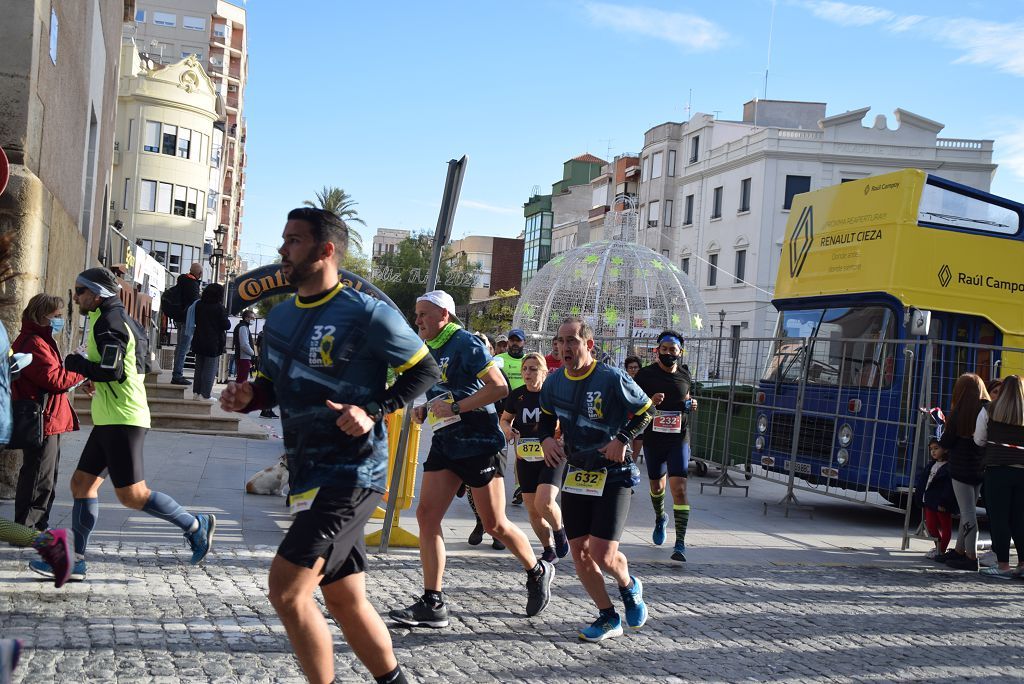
(689, 102)
(534, 191)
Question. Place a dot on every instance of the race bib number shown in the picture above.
(586, 482)
(302, 501)
(668, 421)
(438, 423)
(529, 450)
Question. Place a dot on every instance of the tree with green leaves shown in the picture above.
(340, 203)
(402, 274)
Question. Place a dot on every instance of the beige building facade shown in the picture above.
(168, 160)
(215, 32)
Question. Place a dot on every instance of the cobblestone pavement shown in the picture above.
(145, 615)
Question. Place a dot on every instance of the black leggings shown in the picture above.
(1004, 502)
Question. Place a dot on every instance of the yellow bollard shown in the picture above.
(399, 537)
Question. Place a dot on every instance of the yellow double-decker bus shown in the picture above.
(872, 270)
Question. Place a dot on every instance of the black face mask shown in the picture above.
(667, 359)
(515, 352)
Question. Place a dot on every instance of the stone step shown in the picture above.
(216, 433)
(179, 421)
(159, 405)
(167, 391)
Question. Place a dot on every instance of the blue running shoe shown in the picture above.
(602, 628)
(679, 552)
(636, 609)
(10, 652)
(202, 539)
(659, 530)
(41, 567)
(561, 543)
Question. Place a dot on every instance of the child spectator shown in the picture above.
(935, 494)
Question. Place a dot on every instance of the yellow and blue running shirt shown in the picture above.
(591, 410)
(338, 347)
(464, 360)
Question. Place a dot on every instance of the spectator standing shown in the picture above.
(934, 488)
(965, 466)
(1000, 429)
(244, 351)
(188, 292)
(45, 380)
(209, 339)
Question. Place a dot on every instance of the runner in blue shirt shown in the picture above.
(600, 410)
(465, 449)
(325, 358)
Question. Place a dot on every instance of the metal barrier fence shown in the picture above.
(840, 417)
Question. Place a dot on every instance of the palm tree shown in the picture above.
(340, 203)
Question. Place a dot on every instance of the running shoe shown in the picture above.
(477, 535)
(57, 554)
(561, 543)
(602, 628)
(201, 540)
(679, 552)
(517, 497)
(10, 651)
(43, 568)
(497, 544)
(549, 555)
(538, 589)
(636, 609)
(994, 571)
(931, 554)
(658, 537)
(420, 614)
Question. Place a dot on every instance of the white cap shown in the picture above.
(439, 298)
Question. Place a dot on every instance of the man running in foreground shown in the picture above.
(600, 410)
(465, 448)
(325, 358)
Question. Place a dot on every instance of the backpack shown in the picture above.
(170, 303)
(143, 361)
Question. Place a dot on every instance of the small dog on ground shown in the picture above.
(271, 480)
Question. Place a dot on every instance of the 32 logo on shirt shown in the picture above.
(443, 365)
(321, 343)
(595, 408)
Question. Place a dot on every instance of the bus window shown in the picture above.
(983, 365)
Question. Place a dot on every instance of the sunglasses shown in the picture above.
(79, 290)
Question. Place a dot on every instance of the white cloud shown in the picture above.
(688, 31)
(981, 42)
(1009, 149)
(483, 206)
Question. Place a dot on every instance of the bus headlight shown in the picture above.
(845, 435)
(842, 457)
(762, 423)
(759, 443)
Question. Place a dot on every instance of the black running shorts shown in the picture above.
(671, 459)
(332, 528)
(531, 474)
(475, 471)
(115, 450)
(602, 516)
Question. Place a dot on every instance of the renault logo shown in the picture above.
(800, 242)
(945, 275)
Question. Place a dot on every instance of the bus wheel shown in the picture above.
(702, 469)
(748, 471)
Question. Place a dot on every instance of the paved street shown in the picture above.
(764, 597)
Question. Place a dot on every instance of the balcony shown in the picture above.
(598, 211)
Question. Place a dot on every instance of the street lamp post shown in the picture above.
(718, 359)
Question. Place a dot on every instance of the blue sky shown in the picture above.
(376, 97)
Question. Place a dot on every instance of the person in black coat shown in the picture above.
(209, 339)
(188, 292)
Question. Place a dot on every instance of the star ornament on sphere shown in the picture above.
(591, 259)
(698, 322)
(675, 319)
(611, 316)
(657, 265)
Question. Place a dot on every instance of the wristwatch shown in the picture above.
(456, 409)
(374, 410)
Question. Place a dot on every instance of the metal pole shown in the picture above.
(926, 393)
(790, 498)
(718, 359)
(442, 233)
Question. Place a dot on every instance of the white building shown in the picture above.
(715, 195)
(386, 241)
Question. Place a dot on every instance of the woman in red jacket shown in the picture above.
(46, 374)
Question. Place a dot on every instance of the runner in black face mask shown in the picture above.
(666, 441)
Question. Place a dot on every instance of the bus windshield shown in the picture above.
(842, 342)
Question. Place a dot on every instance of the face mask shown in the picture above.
(56, 325)
(667, 359)
(515, 353)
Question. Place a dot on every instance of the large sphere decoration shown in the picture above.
(627, 292)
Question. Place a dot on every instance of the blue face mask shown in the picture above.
(56, 325)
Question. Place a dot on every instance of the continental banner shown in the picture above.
(267, 281)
